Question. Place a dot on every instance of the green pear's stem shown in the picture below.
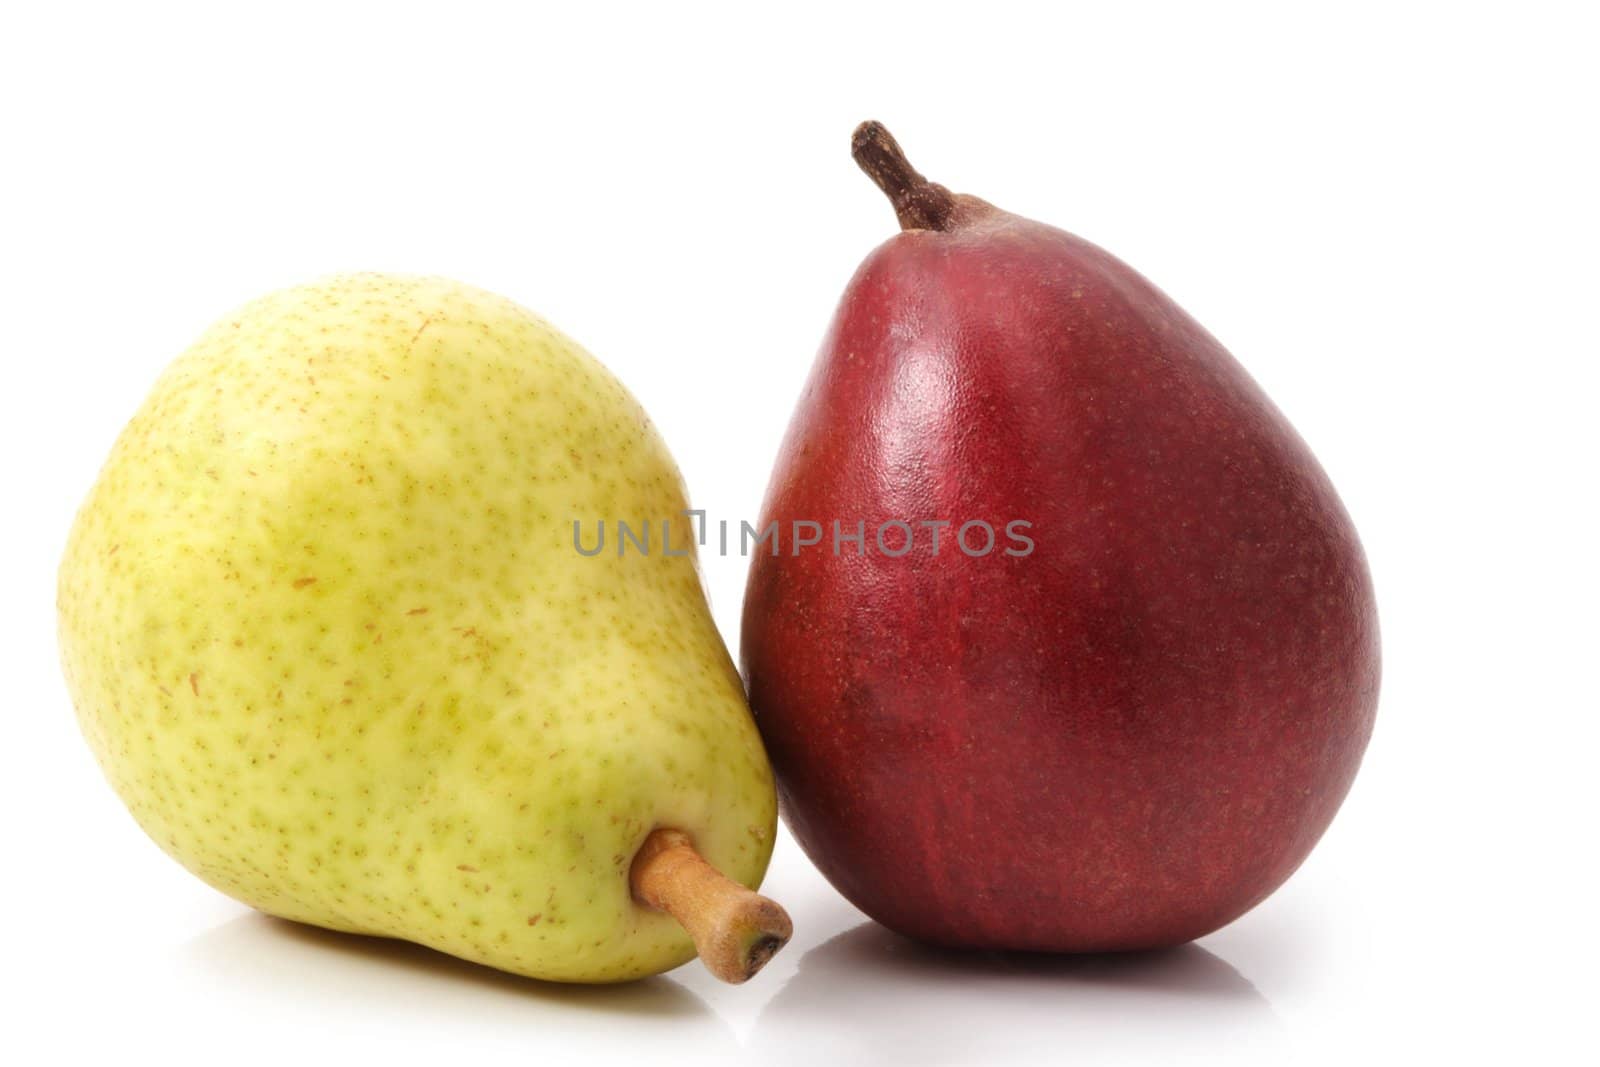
(736, 931)
(918, 203)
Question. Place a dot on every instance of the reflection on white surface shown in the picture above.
(863, 995)
(870, 996)
(281, 961)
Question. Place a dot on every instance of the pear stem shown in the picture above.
(918, 203)
(735, 930)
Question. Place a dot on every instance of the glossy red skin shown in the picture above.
(1121, 741)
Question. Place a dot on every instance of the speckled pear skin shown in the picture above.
(326, 631)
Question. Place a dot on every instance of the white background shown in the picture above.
(1386, 211)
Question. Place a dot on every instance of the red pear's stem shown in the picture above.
(918, 203)
(735, 930)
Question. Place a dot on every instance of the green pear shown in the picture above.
(328, 633)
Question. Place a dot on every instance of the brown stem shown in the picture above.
(736, 931)
(918, 203)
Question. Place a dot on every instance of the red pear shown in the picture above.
(1102, 664)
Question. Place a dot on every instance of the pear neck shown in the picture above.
(918, 203)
